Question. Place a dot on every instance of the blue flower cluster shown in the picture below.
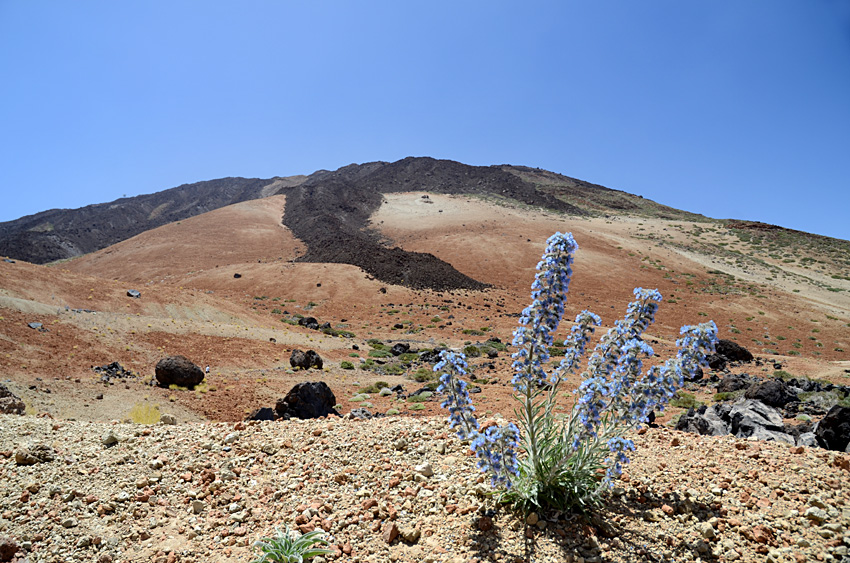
(562, 457)
(495, 447)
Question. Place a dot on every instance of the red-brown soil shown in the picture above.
(193, 305)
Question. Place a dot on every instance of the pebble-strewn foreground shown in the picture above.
(396, 489)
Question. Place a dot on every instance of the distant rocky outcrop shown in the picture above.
(307, 400)
(744, 419)
(178, 370)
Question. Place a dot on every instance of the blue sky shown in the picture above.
(728, 108)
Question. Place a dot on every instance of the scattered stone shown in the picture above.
(734, 382)
(425, 469)
(39, 453)
(110, 438)
(167, 419)
(133, 293)
(390, 532)
(179, 371)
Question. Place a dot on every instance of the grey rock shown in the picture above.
(750, 418)
(133, 293)
(31, 455)
(9, 402)
(773, 393)
(808, 439)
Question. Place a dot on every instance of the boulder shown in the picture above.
(704, 421)
(305, 360)
(400, 348)
(732, 351)
(178, 370)
(135, 294)
(716, 362)
(754, 419)
(361, 414)
(309, 322)
(833, 431)
(9, 402)
(8, 548)
(307, 400)
(774, 393)
(734, 382)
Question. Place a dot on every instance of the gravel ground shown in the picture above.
(206, 492)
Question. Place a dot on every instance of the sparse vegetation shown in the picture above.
(145, 413)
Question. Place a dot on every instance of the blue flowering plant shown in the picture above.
(567, 462)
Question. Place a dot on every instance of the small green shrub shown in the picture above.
(345, 364)
(417, 407)
(685, 400)
(423, 374)
(420, 398)
(375, 387)
(380, 354)
(472, 351)
(392, 412)
(284, 548)
(726, 396)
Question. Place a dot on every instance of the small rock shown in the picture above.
(198, 506)
(410, 535)
(390, 532)
(425, 469)
(532, 519)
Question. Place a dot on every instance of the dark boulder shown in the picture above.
(263, 413)
(774, 393)
(305, 360)
(309, 322)
(734, 382)
(8, 547)
(178, 370)
(9, 402)
(400, 348)
(716, 362)
(307, 400)
(732, 351)
(833, 431)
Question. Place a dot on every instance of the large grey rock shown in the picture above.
(178, 370)
(754, 419)
(833, 431)
(703, 421)
(808, 439)
(307, 400)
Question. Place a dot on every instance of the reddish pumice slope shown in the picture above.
(685, 497)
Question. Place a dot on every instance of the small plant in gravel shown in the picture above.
(288, 547)
(566, 463)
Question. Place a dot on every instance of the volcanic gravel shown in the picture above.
(205, 492)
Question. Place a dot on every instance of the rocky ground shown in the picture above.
(205, 492)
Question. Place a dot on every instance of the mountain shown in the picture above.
(327, 210)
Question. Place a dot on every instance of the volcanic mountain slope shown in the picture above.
(63, 233)
(327, 211)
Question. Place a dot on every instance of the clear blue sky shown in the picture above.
(730, 108)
